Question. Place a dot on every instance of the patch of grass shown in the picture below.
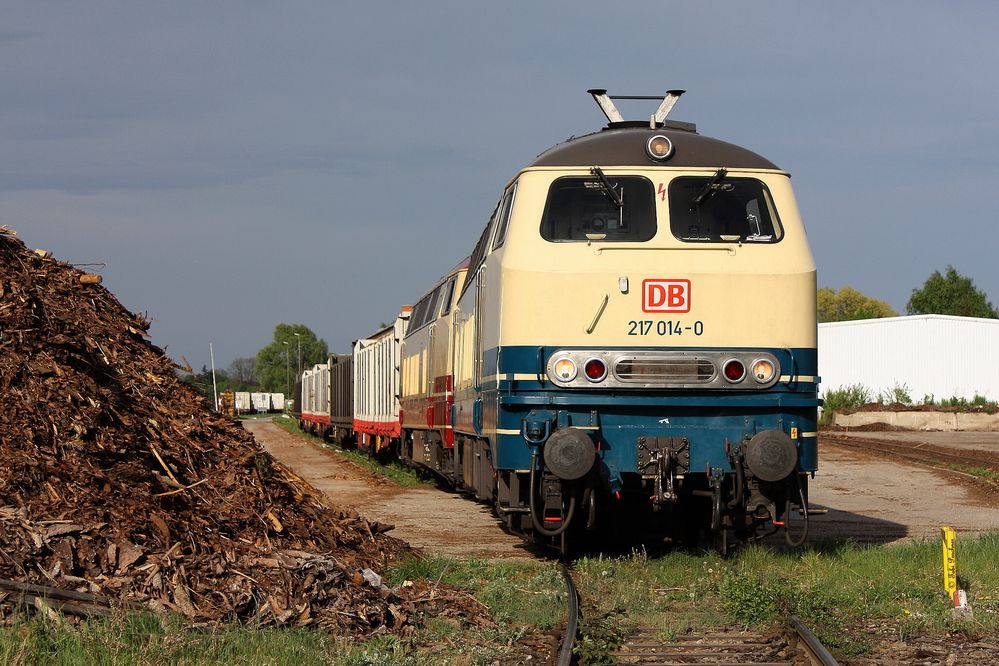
(986, 473)
(519, 595)
(515, 592)
(838, 589)
(393, 470)
(978, 402)
(141, 638)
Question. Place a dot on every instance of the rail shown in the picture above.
(815, 649)
(572, 619)
(926, 455)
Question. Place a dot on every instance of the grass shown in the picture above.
(518, 595)
(140, 638)
(839, 590)
(395, 471)
(985, 473)
(854, 597)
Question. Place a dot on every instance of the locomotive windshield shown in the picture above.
(600, 208)
(717, 209)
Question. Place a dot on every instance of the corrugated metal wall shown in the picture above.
(934, 355)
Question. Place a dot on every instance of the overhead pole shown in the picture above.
(215, 386)
(299, 336)
(287, 371)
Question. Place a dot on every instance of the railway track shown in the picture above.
(924, 454)
(719, 646)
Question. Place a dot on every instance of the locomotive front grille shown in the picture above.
(665, 369)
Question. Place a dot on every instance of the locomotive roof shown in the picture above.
(623, 144)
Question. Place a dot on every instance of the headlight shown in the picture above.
(564, 369)
(763, 370)
(659, 148)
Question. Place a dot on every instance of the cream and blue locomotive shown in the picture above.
(635, 339)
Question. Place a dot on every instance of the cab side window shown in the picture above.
(504, 217)
(448, 297)
(479, 253)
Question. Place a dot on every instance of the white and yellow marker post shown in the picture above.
(958, 597)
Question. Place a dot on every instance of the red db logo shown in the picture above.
(666, 296)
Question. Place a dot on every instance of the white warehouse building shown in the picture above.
(936, 355)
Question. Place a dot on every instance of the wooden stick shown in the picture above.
(48, 592)
(180, 490)
(165, 468)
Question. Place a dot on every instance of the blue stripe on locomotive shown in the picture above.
(707, 419)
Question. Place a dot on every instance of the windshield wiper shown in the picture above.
(710, 188)
(607, 187)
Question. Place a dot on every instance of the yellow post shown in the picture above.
(949, 561)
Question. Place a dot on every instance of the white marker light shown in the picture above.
(564, 369)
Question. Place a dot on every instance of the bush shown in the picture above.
(897, 394)
(843, 398)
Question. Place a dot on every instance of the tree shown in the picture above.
(243, 374)
(950, 294)
(848, 304)
(202, 382)
(277, 363)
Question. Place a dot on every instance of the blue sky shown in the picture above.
(240, 164)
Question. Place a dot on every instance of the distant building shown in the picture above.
(936, 355)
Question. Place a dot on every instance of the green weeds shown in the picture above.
(838, 589)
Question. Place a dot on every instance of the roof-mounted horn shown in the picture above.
(606, 104)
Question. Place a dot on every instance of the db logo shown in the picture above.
(666, 296)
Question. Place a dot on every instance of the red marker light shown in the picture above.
(734, 370)
(595, 370)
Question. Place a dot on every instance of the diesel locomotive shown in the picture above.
(632, 344)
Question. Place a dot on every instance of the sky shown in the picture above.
(240, 164)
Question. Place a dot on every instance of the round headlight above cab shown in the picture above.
(659, 148)
(763, 370)
(564, 369)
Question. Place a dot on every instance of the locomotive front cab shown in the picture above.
(654, 323)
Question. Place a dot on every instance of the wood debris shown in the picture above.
(119, 486)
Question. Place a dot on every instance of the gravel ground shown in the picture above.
(874, 500)
(870, 499)
(426, 517)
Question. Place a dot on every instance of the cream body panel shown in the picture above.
(752, 294)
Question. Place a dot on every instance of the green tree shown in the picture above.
(277, 363)
(848, 304)
(950, 294)
(202, 382)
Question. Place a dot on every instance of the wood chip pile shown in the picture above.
(118, 485)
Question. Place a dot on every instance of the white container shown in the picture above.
(261, 402)
(243, 404)
(277, 402)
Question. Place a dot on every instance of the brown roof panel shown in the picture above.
(626, 147)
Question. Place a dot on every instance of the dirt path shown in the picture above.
(875, 500)
(426, 517)
(870, 500)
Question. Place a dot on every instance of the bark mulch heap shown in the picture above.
(117, 482)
